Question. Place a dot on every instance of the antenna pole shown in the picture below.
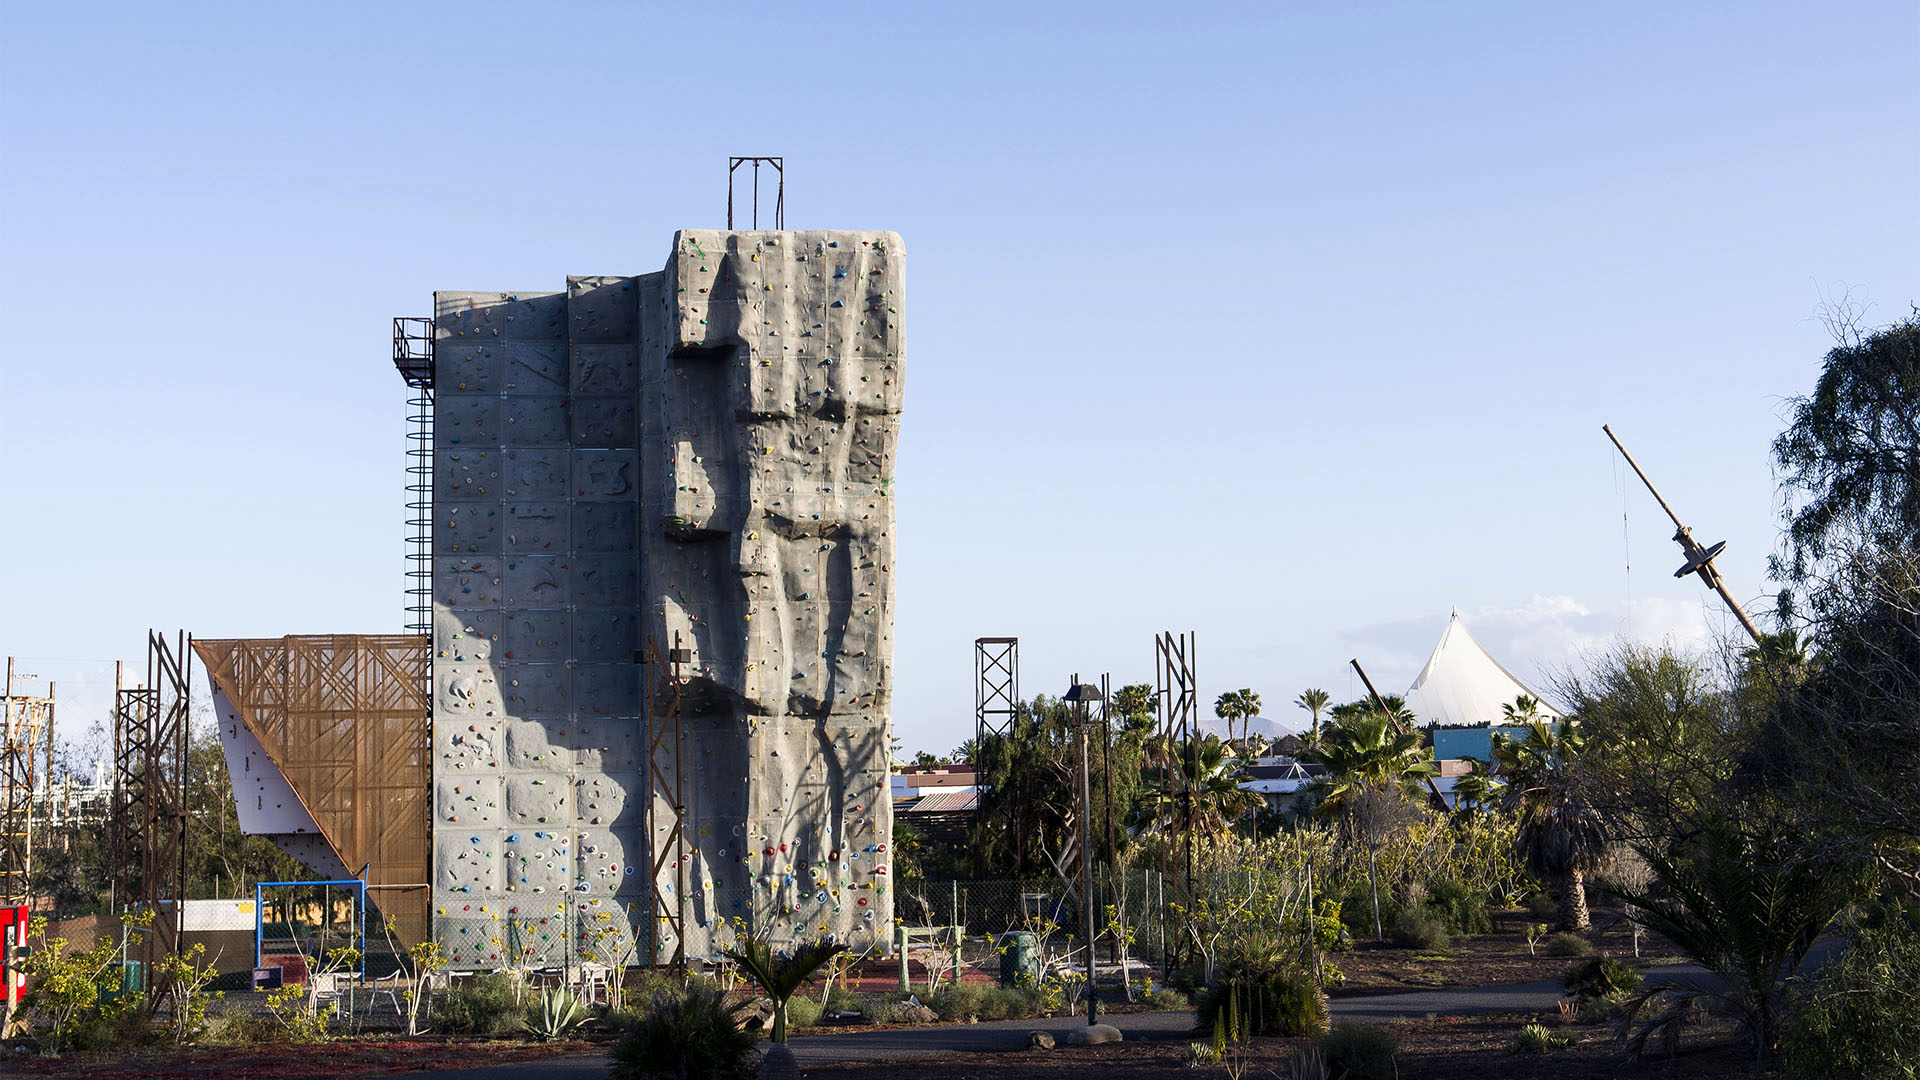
(1378, 702)
(1433, 786)
(1643, 476)
(1699, 556)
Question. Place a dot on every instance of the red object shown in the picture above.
(13, 931)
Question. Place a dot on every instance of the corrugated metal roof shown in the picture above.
(943, 802)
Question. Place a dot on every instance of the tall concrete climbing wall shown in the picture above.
(705, 450)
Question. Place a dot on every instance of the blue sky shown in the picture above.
(1291, 325)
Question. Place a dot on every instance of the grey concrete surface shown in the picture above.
(705, 451)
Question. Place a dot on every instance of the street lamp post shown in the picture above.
(1080, 695)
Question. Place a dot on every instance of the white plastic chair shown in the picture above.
(325, 989)
(386, 986)
(594, 980)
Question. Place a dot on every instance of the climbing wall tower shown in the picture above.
(705, 451)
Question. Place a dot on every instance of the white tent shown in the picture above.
(1463, 684)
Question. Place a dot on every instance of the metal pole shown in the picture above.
(1106, 779)
(1380, 703)
(13, 932)
(1086, 856)
(113, 795)
(1643, 476)
(52, 693)
(679, 815)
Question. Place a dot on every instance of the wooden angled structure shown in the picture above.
(344, 718)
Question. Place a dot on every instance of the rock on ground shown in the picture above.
(1093, 1035)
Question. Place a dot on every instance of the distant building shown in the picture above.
(1470, 742)
(1280, 778)
(939, 802)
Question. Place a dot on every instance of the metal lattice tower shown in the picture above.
(1177, 695)
(28, 723)
(150, 769)
(996, 685)
(667, 808)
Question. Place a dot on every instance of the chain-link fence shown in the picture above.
(1145, 924)
(1130, 931)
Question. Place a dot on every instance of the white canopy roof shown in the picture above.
(1463, 684)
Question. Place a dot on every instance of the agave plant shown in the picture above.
(558, 1015)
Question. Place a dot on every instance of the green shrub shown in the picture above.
(1007, 1003)
(1166, 999)
(690, 1036)
(959, 1001)
(1862, 1016)
(1462, 907)
(1538, 1039)
(617, 1021)
(879, 1008)
(1330, 934)
(1601, 977)
(1565, 944)
(975, 1001)
(1360, 1051)
(1420, 928)
(1356, 911)
(244, 1029)
(478, 1006)
(840, 999)
(1600, 1009)
(803, 1011)
(1276, 1000)
(1189, 978)
(638, 989)
(1542, 906)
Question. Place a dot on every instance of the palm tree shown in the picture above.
(1561, 834)
(780, 978)
(1242, 704)
(1524, 710)
(1315, 702)
(1479, 789)
(1201, 789)
(1782, 657)
(1363, 751)
(1372, 768)
(1133, 705)
(1748, 911)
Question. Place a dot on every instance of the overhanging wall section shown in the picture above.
(771, 380)
(345, 720)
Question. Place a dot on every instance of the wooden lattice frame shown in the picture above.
(347, 719)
